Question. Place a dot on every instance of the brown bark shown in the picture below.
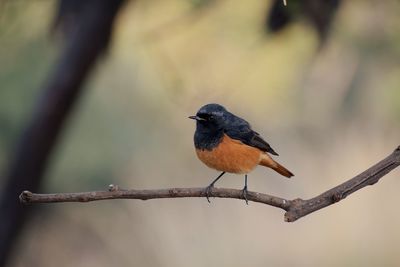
(295, 209)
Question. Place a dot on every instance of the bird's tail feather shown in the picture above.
(267, 161)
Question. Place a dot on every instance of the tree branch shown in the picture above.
(295, 209)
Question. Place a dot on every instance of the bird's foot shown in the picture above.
(208, 192)
(244, 194)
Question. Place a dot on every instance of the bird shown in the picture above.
(227, 143)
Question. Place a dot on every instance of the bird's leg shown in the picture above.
(245, 189)
(210, 186)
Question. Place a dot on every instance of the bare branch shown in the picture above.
(28, 197)
(295, 209)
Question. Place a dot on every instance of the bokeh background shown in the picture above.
(330, 109)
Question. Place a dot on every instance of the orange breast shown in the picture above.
(231, 156)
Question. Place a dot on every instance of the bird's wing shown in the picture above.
(239, 129)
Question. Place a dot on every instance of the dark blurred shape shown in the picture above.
(69, 13)
(319, 13)
(279, 16)
(86, 37)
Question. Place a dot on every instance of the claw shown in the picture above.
(244, 191)
(244, 194)
(210, 187)
(208, 192)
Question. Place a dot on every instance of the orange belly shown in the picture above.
(231, 156)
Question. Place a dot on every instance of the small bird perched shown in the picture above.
(227, 143)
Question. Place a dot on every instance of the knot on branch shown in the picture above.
(337, 196)
(173, 192)
(295, 207)
(25, 196)
(397, 154)
(113, 188)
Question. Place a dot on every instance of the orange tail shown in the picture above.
(267, 161)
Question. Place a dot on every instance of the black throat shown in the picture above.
(206, 138)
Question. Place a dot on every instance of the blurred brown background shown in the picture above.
(329, 109)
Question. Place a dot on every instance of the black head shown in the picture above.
(210, 124)
(210, 117)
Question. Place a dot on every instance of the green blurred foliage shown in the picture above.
(25, 58)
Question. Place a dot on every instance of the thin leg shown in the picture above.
(210, 186)
(245, 189)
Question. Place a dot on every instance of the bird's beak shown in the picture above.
(197, 118)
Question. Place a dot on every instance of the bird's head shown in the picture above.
(210, 117)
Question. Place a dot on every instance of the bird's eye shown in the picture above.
(211, 118)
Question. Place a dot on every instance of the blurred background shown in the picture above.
(325, 93)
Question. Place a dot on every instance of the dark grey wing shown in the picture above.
(239, 129)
